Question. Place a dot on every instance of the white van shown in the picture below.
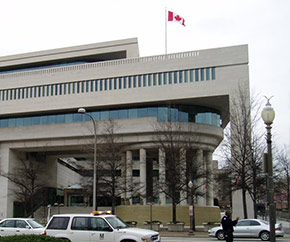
(94, 228)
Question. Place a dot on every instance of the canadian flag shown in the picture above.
(175, 17)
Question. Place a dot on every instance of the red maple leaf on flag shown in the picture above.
(178, 18)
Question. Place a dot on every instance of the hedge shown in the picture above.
(30, 238)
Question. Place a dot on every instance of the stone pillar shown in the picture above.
(143, 174)
(129, 176)
(162, 176)
(183, 194)
(209, 182)
(200, 181)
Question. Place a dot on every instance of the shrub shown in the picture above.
(30, 238)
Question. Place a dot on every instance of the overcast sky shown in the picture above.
(32, 25)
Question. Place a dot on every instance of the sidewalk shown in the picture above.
(196, 234)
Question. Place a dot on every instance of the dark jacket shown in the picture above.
(228, 225)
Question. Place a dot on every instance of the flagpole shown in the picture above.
(165, 31)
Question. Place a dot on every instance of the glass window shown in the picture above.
(101, 84)
(191, 75)
(213, 73)
(154, 79)
(139, 81)
(123, 114)
(144, 80)
(125, 82)
(51, 89)
(202, 74)
(20, 224)
(35, 120)
(106, 84)
(135, 200)
(44, 120)
(152, 112)
(104, 115)
(129, 82)
(120, 82)
(134, 81)
(136, 173)
(114, 114)
(133, 113)
(78, 117)
(4, 123)
(159, 79)
(73, 87)
(58, 223)
(8, 224)
(207, 71)
(96, 115)
(68, 118)
(39, 91)
(115, 83)
(186, 76)
(142, 112)
(55, 89)
(180, 76)
(82, 86)
(42, 91)
(175, 76)
(162, 114)
(150, 80)
(197, 75)
(99, 224)
(80, 223)
(69, 86)
(96, 85)
(87, 86)
(92, 85)
(165, 78)
(11, 122)
(47, 91)
(170, 77)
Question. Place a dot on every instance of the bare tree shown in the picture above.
(28, 183)
(243, 148)
(180, 163)
(283, 159)
(109, 154)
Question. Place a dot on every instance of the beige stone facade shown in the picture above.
(40, 93)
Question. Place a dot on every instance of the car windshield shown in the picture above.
(116, 222)
(34, 224)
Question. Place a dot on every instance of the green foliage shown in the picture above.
(30, 238)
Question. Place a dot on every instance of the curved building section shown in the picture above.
(41, 92)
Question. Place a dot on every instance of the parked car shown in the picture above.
(18, 226)
(96, 227)
(249, 228)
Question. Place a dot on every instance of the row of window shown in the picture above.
(114, 83)
(163, 114)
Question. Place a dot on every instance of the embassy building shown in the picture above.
(40, 94)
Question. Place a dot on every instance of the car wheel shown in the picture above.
(264, 235)
(220, 235)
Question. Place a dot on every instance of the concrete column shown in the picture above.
(183, 194)
(162, 176)
(209, 182)
(129, 176)
(201, 181)
(143, 174)
(9, 162)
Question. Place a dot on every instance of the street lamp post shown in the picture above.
(83, 111)
(268, 116)
(191, 209)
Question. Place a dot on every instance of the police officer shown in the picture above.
(228, 226)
